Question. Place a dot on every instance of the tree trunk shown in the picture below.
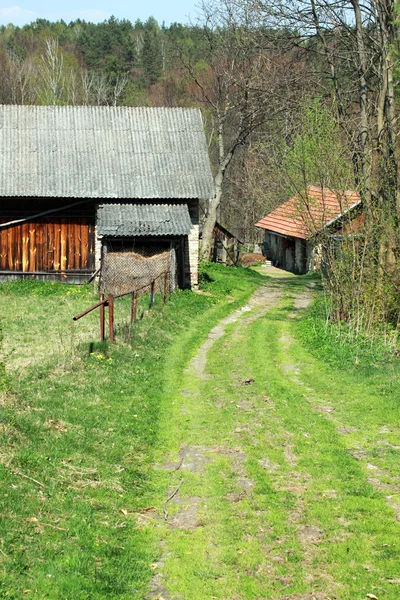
(388, 154)
(214, 203)
(363, 137)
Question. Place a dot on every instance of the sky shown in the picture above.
(98, 10)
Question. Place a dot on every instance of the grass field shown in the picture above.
(296, 486)
(79, 425)
(281, 448)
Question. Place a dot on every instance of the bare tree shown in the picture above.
(241, 84)
(51, 76)
(351, 45)
(95, 88)
(19, 79)
(352, 42)
(98, 89)
(118, 88)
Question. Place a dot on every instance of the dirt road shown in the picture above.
(259, 503)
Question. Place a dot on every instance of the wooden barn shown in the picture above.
(77, 178)
(294, 229)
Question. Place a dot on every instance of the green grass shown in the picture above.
(284, 505)
(339, 344)
(297, 472)
(82, 420)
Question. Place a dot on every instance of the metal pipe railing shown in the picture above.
(109, 301)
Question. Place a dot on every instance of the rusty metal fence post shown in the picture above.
(134, 294)
(102, 319)
(111, 317)
(134, 307)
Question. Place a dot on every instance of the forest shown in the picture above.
(292, 93)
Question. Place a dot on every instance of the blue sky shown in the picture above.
(169, 11)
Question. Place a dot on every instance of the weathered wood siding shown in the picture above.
(48, 245)
(60, 244)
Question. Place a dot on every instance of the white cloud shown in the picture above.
(16, 15)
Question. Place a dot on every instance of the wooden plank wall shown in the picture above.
(48, 245)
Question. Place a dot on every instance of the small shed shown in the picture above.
(293, 230)
(158, 231)
(77, 179)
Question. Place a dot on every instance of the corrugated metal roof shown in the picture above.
(134, 220)
(103, 152)
(305, 214)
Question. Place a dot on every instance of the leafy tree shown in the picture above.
(317, 153)
(111, 43)
(152, 54)
(136, 94)
(244, 80)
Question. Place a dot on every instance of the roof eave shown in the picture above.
(345, 212)
(283, 235)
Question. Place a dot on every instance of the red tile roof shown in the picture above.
(307, 213)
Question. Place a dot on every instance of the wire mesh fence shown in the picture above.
(131, 277)
(126, 268)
